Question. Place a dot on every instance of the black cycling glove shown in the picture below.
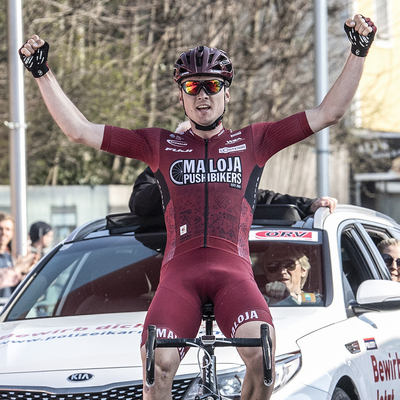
(36, 63)
(360, 44)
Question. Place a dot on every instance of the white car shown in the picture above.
(72, 329)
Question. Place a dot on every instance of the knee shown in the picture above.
(166, 363)
(253, 358)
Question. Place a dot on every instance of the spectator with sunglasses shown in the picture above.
(286, 270)
(390, 250)
(208, 178)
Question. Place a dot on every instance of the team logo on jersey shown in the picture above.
(176, 136)
(233, 141)
(236, 134)
(177, 143)
(234, 149)
(188, 172)
(178, 150)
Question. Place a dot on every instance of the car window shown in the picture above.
(355, 261)
(103, 275)
(302, 287)
(376, 234)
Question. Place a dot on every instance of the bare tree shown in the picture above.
(114, 59)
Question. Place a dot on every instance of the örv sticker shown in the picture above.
(284, 235)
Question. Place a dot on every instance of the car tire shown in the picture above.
(340, 394)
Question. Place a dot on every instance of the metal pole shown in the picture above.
(321, 89)
(17, 127)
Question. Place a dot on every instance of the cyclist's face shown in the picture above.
(204, 108)
(393, 251)
(288, 271)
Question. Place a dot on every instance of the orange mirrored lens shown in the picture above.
(191, 87)
(194, 87)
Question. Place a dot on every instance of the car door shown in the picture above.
(376, 344)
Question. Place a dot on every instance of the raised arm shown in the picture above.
(361, 32)
(71, 121)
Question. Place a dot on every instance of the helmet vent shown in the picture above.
(203, 60)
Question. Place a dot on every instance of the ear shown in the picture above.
(227, 95)
(180, 97)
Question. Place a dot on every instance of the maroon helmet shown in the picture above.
(203, 60)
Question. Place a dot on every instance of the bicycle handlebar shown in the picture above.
(150, 355)
(266, 345)
(210, 340)
(217, 342)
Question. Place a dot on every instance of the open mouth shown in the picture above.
(203, 108)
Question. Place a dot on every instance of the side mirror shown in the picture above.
(377, 295)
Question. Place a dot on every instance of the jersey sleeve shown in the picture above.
(271, 137)
(140, 144)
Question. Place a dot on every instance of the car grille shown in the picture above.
(179, 388)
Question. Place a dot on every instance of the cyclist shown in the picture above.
(209, 188)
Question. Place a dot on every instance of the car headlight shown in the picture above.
(229, 384)
(230, 381)
(286, 367)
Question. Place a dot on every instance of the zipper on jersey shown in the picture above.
(206, 193)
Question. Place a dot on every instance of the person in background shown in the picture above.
(286, 269)
(390, 250)
(145, 200)
(41, 235)
(11, 271)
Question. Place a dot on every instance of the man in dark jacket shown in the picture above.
(145, 199)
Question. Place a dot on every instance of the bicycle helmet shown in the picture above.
(203, 60)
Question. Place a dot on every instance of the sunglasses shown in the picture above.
(388, 259)
(211, 87)
(275, 266)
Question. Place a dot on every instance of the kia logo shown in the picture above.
(80, 377)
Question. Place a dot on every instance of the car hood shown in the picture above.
(82, 343)
(292, 323)
(112, 341)
(101, 340)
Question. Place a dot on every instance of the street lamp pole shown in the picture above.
(17, 127)
(321, 89)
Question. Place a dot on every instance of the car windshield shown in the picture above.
(120, 274)
(96, 276)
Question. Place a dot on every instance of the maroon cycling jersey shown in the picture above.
(208, 186)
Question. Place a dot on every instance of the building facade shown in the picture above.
(376, 115)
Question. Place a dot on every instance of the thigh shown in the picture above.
(176, 309)
(239, 301)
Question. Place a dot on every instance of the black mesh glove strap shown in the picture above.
(37, 63)
(360, 44)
